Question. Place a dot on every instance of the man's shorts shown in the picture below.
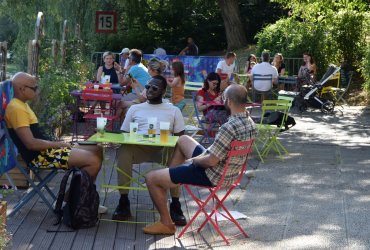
(53, 158)
(190, 173)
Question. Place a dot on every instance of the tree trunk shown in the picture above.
(235, 33)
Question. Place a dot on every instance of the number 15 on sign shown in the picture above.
(106, 22)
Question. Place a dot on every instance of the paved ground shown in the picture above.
(317, 197)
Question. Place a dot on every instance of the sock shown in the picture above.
(175, 200)
(124, 198)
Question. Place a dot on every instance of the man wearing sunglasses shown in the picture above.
(135, 154)
(33, 146)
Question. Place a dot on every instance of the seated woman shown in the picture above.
(251, 61)
(177, 85)
(110, 68)
(279, 64)
(307, 72)
(248, 64)
(210, 95)
(108, 73)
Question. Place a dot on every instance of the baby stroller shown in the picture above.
(309, 95)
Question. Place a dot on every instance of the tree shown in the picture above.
(235, 34)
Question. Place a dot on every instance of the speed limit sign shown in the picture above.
(106, 22)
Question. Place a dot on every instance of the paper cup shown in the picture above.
(100, 125)
(101, 122)
(152, 125)
(133, 128)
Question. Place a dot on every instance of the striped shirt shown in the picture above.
(239, 127)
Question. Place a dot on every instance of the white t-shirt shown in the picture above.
(165, 112)
(225, 69)
(264, 68)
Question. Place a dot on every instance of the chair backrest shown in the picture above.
(237, 149)
(262, 78)
(288, 98)
(8, 155)
(276, 105)
(101, 86)
(334, 80)
(97, 95)
(292, 80)
(193, 86)
(346, 79)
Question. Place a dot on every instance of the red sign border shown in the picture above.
(97, 14)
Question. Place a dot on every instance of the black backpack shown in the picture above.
(276, 117)
(81, 209)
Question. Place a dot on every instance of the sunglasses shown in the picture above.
(33, 88)
(154, 88)
(213, 82)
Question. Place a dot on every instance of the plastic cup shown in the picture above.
(100, 125)
(165, 131)
(152, 125)
(133, 128)
(96, 86)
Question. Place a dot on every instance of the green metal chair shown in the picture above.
(267, 138)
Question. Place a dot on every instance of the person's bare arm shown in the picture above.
(183, 51)
(34, 144)
(125, 80)
(98, 75)
(200, 103)
(282, 72)
(174, 82)
(206, 161)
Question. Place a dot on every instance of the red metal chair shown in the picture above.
(238, 149)
(105, 97)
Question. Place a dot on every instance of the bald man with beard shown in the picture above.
(33, 146)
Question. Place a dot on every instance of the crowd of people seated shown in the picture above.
(189, 162)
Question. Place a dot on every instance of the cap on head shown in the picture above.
(125, 51)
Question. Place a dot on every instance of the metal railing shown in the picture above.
(292, 64)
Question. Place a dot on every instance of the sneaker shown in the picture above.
(159, 228)
(102, 209)
(177, 215)
(122, 212)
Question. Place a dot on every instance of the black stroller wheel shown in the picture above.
(327, 107)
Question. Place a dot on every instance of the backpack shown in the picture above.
(81, 209)
(276, 117)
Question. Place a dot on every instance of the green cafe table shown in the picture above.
(138, 139)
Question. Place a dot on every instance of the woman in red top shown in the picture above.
(209, 93)
(208, 98)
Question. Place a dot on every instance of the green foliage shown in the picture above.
(332, 31)
(54, 105)
(292, 38)
(349, 34)
(365, 70)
